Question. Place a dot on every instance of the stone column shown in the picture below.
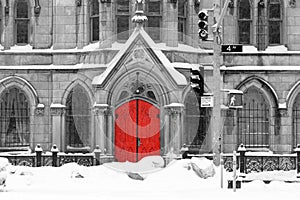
(110, 137)
(58, 124)
(100, 111)
(174, 112)
(167, 131)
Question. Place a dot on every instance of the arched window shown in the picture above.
(122, 19)
(244, 22)
(94, 20)
(275, 21)
(14, 119)
(78, 119)
(196, 121)
(182, 18)
(296, 121)
(22, 22)
(254, 120)
(153, 12)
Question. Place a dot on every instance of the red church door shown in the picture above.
(137, 131)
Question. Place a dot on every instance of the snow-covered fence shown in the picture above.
(248, 162)
(56, 158)
(261, 161)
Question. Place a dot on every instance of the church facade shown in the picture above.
(116, 75)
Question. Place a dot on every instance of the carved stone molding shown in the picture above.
(40, 110)
(283, 112)
(292, 3)
(57, 109)
(101, 109)
(174, 109)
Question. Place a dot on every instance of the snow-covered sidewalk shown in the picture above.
(111, 181)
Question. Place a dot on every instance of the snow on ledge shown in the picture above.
(175, 105)
(21, 48)
(282, 106)
(57, 105)
(260, 68)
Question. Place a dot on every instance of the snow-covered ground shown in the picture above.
(111, 181)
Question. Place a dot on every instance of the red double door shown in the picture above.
(137, 131)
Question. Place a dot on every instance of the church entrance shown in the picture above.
(137, 130)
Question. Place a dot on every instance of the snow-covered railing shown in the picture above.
(248, 162)
(56, 158)
(261, 161)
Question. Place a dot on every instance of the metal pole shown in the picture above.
(234, 171)
(216, 130)
(222, 164)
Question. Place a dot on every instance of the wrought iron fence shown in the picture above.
(48, 159)
(255, 163)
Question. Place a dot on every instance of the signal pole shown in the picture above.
(217, 132)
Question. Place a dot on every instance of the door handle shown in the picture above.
(139, 142)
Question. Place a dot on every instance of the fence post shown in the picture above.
(184, 150)
(297, 150)
(38, 155)
(97, 153)
(242, 150)
(54, 151)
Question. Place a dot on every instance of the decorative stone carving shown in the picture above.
(101, 109)
(138, 54)
(137, 86)
(139, 18)
(40, 109)
(174, 109)
(283, 112)
(292, 3)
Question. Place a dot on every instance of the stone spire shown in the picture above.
(139, 18)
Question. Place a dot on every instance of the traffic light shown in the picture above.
(203, 24)
(197, 80)
(235, 99)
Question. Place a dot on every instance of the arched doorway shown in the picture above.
(137, 130)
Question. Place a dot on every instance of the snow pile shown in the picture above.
(287, 176)
(146, 165)
(203, 167)
(3, 171)
(174, 182)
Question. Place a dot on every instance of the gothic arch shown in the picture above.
(263, 86)
(292, 95)
(269, 95)
(160, 91)
(22, 84)
(81, 84)
(31, 95)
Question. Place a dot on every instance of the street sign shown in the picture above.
(207, 101)
(232, 48)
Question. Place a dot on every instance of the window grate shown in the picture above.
(14, 119)
(253, 121)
